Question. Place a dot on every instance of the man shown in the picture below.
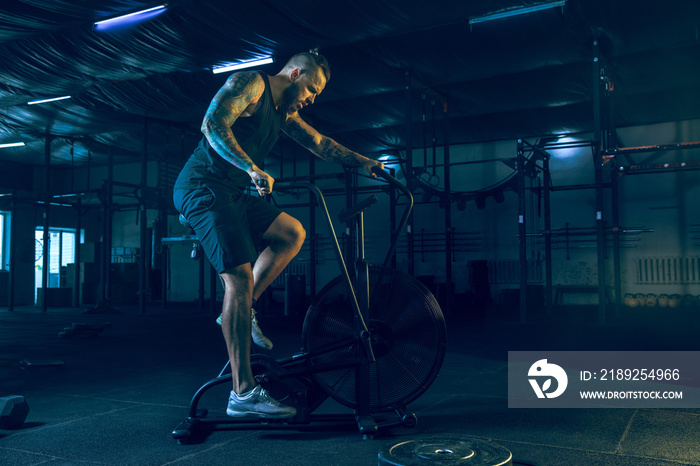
(240, 128)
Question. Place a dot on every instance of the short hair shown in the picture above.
(306, 61)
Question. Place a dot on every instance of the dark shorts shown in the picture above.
(229, 225)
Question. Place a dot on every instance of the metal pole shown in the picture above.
(107, 240)
(13, 254)
(47, 202)
(143, 262)
(448, 211)
(76, 278)
(409, 170)
(164, 258)
(547, 233)
(522, 234)
(614, 196)
(598, 172)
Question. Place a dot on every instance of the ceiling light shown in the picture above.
(241, 65)
(11, 144)
(130, 18)
(54, 99)
(516, 11)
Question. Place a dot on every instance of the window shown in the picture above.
(5, 238)
(61, 253)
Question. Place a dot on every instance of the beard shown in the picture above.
(290, 97)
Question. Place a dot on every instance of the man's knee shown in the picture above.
(238, 278)
(297, 233)
(288, 230)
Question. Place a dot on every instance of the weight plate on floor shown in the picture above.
(13, 411)
(446, 450)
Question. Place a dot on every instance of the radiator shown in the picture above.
(668, 270)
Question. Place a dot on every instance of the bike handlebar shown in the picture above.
(347, 215)
(389, 179)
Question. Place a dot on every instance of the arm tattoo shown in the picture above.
(295, 131)
(324, 147)
(225, 144)
(228, 104)
(334, 152)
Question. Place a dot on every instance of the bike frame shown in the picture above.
(300, 364)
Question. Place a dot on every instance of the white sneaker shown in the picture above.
(255, 332)
(257, 403)
(258, 337)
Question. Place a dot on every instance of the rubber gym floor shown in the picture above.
(117, 396)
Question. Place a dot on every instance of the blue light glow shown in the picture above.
(507, 13)
(567, 147)
(388, 159)
(52, 99)
(240, 65)
(131, 18)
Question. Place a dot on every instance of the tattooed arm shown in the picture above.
(236, 98)
(325, 147)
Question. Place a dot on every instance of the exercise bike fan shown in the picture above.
(408, 337)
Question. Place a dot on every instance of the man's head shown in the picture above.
(308, 74)
(308, 62)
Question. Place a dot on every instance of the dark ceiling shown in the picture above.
(524, 76)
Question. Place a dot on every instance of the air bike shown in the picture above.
(374, 342)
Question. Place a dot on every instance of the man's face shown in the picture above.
(303, 90)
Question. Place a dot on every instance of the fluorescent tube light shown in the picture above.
(516, 11)
(130, 18)
(54, 99)
(57, 204)
(11, 144)
(241, 65)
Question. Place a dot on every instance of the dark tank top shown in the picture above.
(256, 134)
